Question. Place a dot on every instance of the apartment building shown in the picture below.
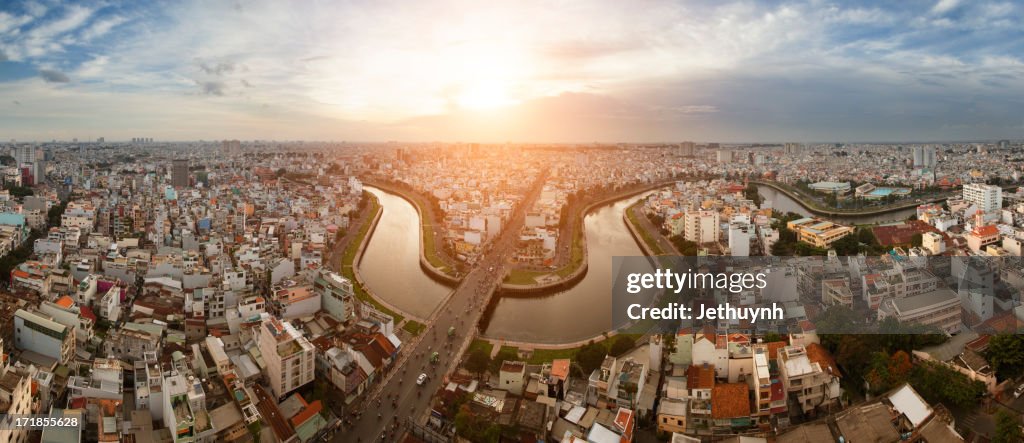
(289, 357)
(701, 227)
(809, 376)
(988, 198)
(39, 333)
(940, 308)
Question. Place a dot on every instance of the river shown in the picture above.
(391, 263)
(585, 310)
(782, 202)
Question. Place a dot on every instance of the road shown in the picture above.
(397, 398)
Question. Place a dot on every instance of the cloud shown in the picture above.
(215, 88)
(101, 27)
(3, 56)
(944, 6)
(219, 68)
(16, 102)
(51, 76)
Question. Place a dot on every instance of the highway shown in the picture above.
(396, 398)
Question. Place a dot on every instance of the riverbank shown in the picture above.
(516, 284)
(430, 261)
(816, 209)
(349, 269)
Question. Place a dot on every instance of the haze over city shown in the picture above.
(602, 71)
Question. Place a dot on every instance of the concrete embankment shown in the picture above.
(431, 271)
(570, 280)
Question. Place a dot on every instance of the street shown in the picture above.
(397, 398)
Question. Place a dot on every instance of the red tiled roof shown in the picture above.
(308, 412)
(700, 377)
(730, 400)
(87, 313)
(818, 354)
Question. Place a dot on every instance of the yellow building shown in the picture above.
(818, 232)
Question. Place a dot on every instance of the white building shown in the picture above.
(701, 227)
(39, 334)
(988, 198)
(289, 357)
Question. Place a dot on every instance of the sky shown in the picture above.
(519, 71)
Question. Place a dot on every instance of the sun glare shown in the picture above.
(484, 95)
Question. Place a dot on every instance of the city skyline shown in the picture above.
(451, 71)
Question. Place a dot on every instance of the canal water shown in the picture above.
(782, 202)
(391, 262)
(585, 310)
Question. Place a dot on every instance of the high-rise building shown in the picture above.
(924, 156)
(724, 156)
(988, 198)
(288, 356)
(179, 173)
(231, 147)
(687, 149)
(794, 148)
(701, 227)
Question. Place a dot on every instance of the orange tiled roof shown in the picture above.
(818, 354)
(65, 302)
(700, 377)
(730, 400)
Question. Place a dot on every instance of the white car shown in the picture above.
(421, 379)
(1017, 392)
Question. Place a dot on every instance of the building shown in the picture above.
(288, 356)
(39, 334)
(988, 198)
(818, 232)
(701, 227)
(810, 377)
(939, 308)
(179, 173)
(511, 377)
(830, 187)
(336, 294)
(15, 399)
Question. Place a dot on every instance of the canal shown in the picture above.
(391, 263)
(782, 202)
(585, 310)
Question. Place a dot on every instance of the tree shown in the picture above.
(1007, 428)
(478, 361)
(504, 354)
(916, 240)
(622, 345)
(1006, 355)
(937, 383)
(590, 357)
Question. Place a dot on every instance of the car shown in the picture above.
(421, 379)
(1017, 392)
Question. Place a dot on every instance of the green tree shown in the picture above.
(937, 383)
(916, 240)
(622, 345)
(504, 354)
(478, 361)
(590, 357)
(1007, 428)
(1006, 355)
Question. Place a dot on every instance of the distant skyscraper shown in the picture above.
(724, 156)
(179, 173)
(794, 148)
(687, 149)
(924, 156)
(231, 147)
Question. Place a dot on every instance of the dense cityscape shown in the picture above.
(441, 221)
(216, 291)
